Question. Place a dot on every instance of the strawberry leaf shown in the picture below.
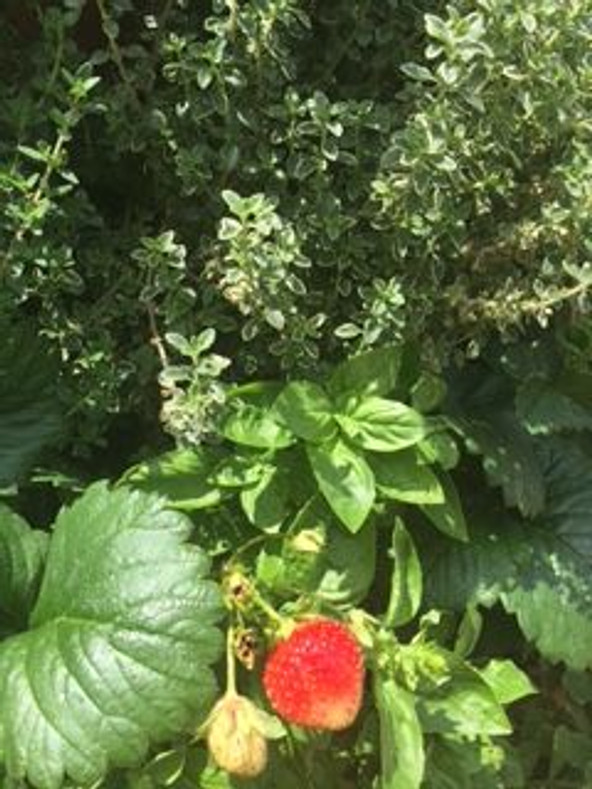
(22, 556)
(541, 572)
(119, 647)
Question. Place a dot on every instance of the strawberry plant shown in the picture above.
(295, 394)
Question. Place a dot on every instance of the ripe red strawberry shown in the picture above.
(315, 677)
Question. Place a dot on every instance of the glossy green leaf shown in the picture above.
(181, 475)
(401, 741)
(266, 503)
(406, 581)
(345, 479)
(372, 373)
(239, 470)
(439, 448)
(448, 517)
(350, 565)
(507, 681)
(469, 631)
(348, 560)
(22, 558)
(382, 425)
(306, 410)
(541, 572)
(402, 477)
(120, 643)
(256, 427)
(464, 705)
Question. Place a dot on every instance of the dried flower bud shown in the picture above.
(235, 738)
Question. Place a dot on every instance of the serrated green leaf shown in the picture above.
(382, 425)
(306, 410)
(372, 373)
(543, 410)
(345, 479)
(448, 517)
(401, 740)
(401, 476)
(570, 748)
(509, 459)
(541, 572)
(255, 427)
(120, 643)
(22, 558)
(181, 475)
(29, 414)
(406, 580)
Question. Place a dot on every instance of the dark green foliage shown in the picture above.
(312, 277)
(294, 175)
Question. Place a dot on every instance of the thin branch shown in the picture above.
(155, 337)
(115, 50)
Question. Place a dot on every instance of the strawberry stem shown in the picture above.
(230, 662)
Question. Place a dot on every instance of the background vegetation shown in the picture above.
(383, 211)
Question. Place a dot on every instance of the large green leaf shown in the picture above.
(509, 458)
(464, 705)
(372, 373)
(119, 646)
(306, 410)
(507, 681)
(181, 475)
(345, 480)
(256, 427)
(29, 413)
(401, 476)
(401, 739)
(543, 409)
(406, 581)
(266, 503)
(348, 561)
(350, 564)
(382, 425)
(22, 557)
(540, 572)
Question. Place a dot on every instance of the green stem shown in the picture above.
(116, 55)
(230, 662)
(267, 609)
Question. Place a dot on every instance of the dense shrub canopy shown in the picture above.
(305, 178)
(294, 297)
